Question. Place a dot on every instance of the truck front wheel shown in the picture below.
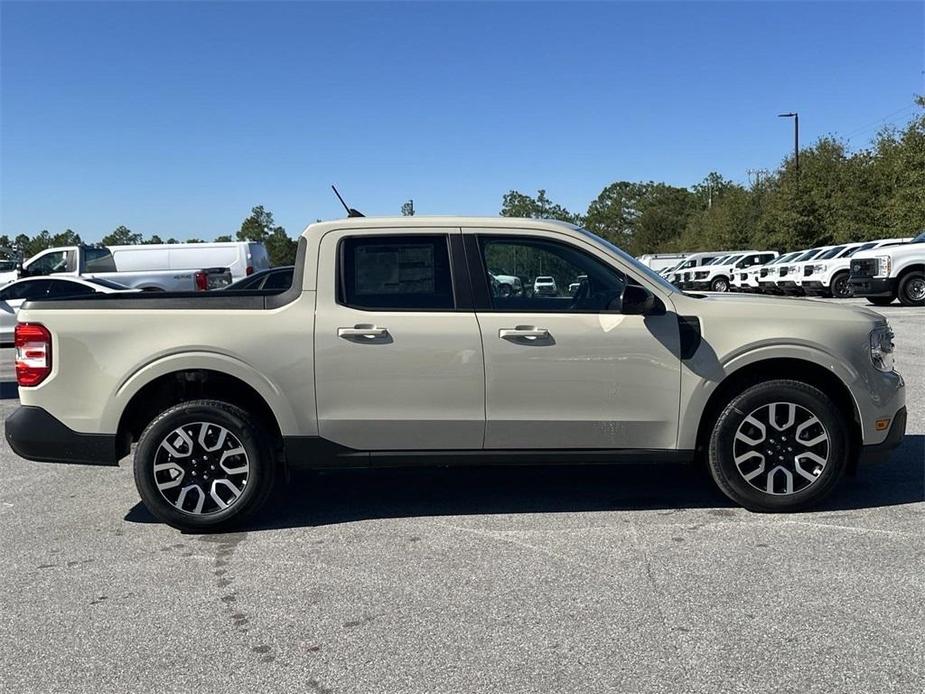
(778, 446)
(720, 284)
(203, 465)
(912, 289)
(839, 286)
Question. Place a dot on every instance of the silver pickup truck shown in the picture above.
(393, 347)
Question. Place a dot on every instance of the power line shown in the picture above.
(878, 121)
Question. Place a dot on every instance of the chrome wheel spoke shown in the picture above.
(781, 448)
(201, 468)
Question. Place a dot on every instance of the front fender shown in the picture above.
(702, 375)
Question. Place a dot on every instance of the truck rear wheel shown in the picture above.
(778, 446)
(203, 465)
(912, 289)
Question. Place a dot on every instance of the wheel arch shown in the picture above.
(178, 377)
(774, 368)
(169, 389)
(912, 267)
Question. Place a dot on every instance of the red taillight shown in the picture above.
(202, 281)
(249, 270)
(33, 353)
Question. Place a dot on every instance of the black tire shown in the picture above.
(799, 493)
(839, 287)
(719, 284)
(912, 289)
(257, 457)
(880, 300)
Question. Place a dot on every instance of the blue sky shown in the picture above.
(176, 118)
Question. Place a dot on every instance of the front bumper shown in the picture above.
(36, 435)
(815, 287)
(873, 286)
(790, 287)
(880, 452)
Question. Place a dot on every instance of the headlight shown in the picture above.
(881, 348)
(885, 265)
(820, 268)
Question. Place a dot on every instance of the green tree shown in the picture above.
(257, 226)
(224, 238)
(122, 236)
(280, 248)
(517, 204)
(407, 209)
(66, 238)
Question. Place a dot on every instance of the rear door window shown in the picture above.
(401, 273)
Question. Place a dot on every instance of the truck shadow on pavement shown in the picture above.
(342, 496)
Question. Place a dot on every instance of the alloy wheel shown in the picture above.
(781, 448)
(201, 468)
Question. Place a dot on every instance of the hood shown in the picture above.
(755, 306)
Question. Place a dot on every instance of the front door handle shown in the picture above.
(370, 332)
(528, 332)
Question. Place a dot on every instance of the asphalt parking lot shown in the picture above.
(632, 578)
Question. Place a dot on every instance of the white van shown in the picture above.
(242, 258)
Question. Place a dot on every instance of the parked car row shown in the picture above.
(881, 270)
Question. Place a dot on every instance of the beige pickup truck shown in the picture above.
(394, 347)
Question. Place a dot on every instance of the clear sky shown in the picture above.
(176, 118)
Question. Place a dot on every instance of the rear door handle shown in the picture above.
(523, 331)
(368, 331)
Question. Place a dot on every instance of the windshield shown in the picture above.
(863, 247)
(626, 257)
(717, 261)
(919, 239)
(731, 259)
(809, 255)
(831, 253)
(784, 258)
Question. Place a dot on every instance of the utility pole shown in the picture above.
(796, 137)
(757, 173)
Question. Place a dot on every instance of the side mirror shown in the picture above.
(637, 301)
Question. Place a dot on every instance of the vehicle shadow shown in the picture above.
(343, 496)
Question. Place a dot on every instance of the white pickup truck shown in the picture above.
(891, 272)
(393, 347)
(151, 267)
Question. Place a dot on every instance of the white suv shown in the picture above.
(545, 286)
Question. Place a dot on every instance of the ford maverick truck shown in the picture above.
(394, 346)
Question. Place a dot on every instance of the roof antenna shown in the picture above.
(350, 211)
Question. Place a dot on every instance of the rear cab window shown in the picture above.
(399, 273)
